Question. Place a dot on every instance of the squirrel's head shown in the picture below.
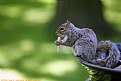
(63, 30)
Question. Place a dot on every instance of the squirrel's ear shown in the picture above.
(68, 23)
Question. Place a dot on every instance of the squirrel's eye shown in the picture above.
(62, 28)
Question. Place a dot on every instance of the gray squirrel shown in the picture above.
(83, 41)
(84, 44)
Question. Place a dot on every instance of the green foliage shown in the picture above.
(112, 11)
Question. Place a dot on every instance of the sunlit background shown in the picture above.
(27, 50)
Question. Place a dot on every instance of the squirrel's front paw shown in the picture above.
(58, 42)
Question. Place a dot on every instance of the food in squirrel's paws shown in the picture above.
(58, 46)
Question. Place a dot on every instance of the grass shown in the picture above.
(27, 50)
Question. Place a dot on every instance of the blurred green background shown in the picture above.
(27, 49)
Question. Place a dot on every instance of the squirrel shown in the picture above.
(83, 41)
(84, 44)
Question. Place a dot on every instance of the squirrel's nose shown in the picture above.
(56, 32)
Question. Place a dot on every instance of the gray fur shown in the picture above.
(83, 41)
(84, 44)
(107, 54)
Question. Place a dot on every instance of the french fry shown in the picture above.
(58, 47)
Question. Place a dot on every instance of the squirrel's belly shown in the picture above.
(77, 50)
(85, 52)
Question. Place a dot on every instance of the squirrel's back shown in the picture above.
(89, 33)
